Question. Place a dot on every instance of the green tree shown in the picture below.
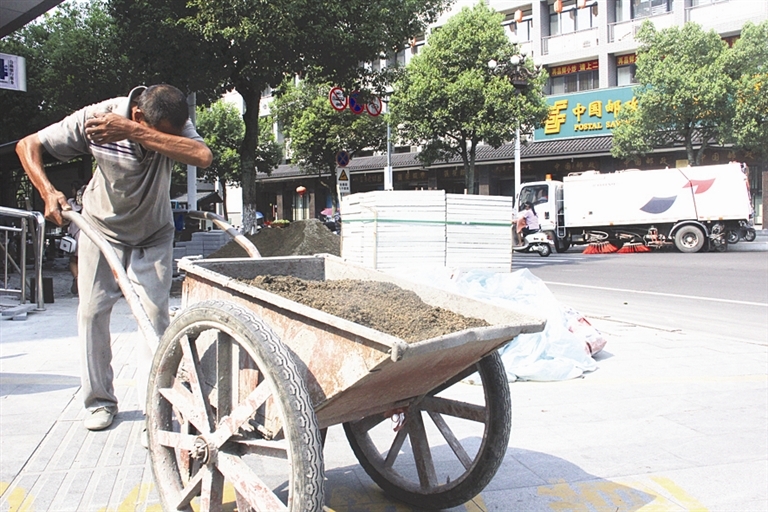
(257, 44)
(748, 64)
(222, 127)
(73, 59)
(318, 132)
(683, 96)
(449, 99)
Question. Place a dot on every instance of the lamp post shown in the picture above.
(520, 76)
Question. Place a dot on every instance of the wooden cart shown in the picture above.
(244, 383)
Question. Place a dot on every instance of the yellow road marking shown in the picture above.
(18, 500)
(604, 495)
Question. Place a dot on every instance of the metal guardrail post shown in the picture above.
(38, 226)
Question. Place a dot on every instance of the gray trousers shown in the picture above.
(150, 271)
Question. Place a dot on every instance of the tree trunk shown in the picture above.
(469, 174)
(472, 158)
(251, 98)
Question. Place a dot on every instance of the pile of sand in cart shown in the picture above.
(299, 238)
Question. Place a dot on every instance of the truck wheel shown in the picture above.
(750, 235)
(561, 245)
(689, 239)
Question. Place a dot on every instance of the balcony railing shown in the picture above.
(565, 43)
(627, 30)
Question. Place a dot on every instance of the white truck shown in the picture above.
(694, 208)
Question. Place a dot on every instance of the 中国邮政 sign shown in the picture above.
(585, 114)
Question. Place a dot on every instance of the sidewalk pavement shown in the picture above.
(671, 421)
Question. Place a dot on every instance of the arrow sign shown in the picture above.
(354, 103)
(338, 99)
(374, 106)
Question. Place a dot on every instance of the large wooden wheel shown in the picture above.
(227, 410)
(441, 451)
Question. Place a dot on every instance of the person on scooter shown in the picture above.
(528, 222)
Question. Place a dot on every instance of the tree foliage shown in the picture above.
(318, 132)
(748, 64)
(73, 58)
(260, 43)
(222, 128)
(449, 99)
(684, 93)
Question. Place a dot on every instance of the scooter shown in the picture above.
(536, 242)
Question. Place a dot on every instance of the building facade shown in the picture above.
(588, 48)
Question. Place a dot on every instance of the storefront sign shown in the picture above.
(568, 69)
(585, 114)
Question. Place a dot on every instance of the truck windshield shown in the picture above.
(534, 195)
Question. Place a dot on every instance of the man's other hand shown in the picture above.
(105, 128)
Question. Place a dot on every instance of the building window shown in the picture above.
(625, 69)
(575, 82)
(644, 8)
(572, 18)
(523, 29)
(625, 75)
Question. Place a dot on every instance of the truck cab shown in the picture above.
(547, 200)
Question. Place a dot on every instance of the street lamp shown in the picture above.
(520, 76)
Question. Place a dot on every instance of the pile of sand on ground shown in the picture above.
(299, 238)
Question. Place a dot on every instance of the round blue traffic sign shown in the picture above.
(355, 105)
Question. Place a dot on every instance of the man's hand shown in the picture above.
(55, 203)
(104, 128)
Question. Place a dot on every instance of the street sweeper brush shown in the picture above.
(634, 247)
(603, 247)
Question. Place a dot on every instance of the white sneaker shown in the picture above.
(99, 419)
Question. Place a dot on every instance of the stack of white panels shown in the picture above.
(479, 232)
(397, 229)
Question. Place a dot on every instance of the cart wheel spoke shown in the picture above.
(262, 447)
(250, 487)
(455, 408)
(191, 490)
(212, 492)
(175, 440)
(394, 450)
(421, 452)
(229, 425)
(180, 398)
(194, 379)
(450, 438)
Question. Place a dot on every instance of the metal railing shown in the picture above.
(37, 222)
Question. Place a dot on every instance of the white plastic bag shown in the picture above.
(556, 353)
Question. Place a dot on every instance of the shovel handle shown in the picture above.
(129, 292)
(222, 223)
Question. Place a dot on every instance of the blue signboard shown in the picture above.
(584, 114)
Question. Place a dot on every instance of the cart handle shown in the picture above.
(129, 292)
(222, 223)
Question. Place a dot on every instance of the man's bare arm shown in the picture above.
(30, 152)
(104, 128)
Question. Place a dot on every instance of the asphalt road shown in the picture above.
(720, 293)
